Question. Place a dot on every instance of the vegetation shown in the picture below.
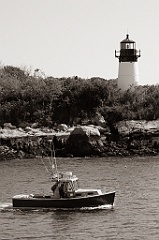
(26, 98)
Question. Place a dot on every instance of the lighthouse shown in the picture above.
(128, 76)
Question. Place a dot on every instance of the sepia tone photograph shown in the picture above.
(79, 119)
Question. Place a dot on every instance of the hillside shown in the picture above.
(46, 102)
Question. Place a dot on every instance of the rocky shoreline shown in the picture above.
(131, 138)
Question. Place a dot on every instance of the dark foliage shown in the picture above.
(27, 99)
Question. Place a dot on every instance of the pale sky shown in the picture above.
(66, 38)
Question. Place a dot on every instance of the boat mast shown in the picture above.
(54, 165)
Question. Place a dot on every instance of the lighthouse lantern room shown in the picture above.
(128, 68)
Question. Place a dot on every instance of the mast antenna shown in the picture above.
(54, 164)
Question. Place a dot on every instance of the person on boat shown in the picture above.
(53, 188)
(62, 191)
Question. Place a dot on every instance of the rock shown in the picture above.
(9, 125)
(35, 125)
(84, 141)
(7, 152)
(62, 127)
(99, 120)
(86, 130)
(8, 133)
(134, 138)
(142, 126)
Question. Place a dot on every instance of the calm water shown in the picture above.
(135, 214)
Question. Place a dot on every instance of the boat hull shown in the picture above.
(25, 201)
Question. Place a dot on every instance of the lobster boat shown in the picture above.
(66, 193)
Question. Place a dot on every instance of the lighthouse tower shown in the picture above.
(128, 67)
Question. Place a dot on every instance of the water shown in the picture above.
(135, 214)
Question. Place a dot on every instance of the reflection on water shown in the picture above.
(134, 216)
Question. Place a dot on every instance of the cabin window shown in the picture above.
(75, 185)
(70, 187)
(90, 193)
(78, 194)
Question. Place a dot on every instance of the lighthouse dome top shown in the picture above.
(127, 40)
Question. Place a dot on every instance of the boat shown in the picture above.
(65, 193)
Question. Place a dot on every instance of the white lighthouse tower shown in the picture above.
(128, 67)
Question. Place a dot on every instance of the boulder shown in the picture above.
(84, 141)
(127, 127)
(35, 125)
(62, 127)
(9, 126)
(86, 130)
(99, 120)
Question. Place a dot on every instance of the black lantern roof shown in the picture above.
(127, 40)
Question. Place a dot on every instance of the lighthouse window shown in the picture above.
(127, 46)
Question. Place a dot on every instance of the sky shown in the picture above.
(65, 38)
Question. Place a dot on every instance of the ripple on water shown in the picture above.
(134, 216)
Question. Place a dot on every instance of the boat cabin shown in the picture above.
(67, 186)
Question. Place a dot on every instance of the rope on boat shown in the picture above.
(45, 166)
(52, 161)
